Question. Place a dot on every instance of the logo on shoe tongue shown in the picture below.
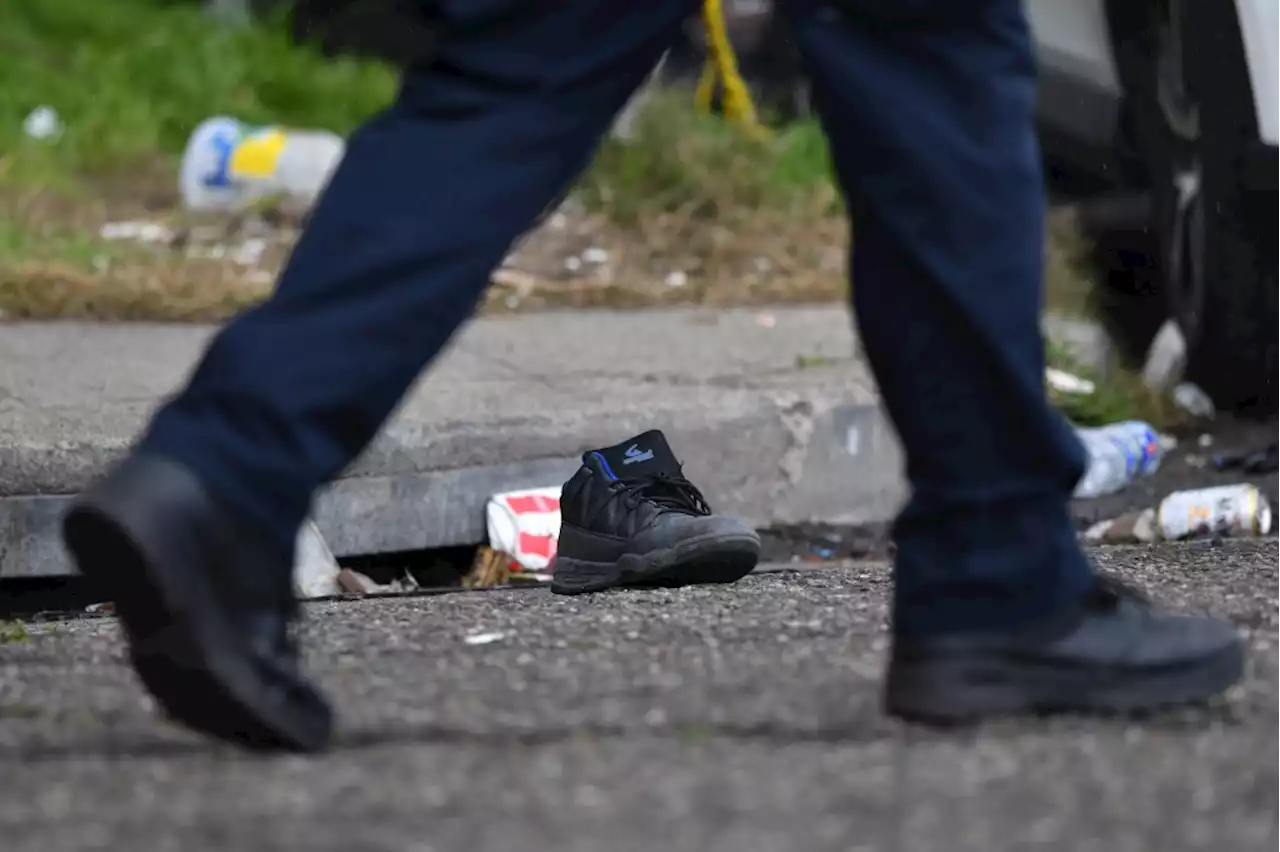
(634, 454)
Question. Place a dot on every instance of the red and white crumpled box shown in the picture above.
(525, 525)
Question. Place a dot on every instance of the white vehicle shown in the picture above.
(1174, 105)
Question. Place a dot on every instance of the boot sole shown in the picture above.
(708, 560)
(190, 657)
(957, 692)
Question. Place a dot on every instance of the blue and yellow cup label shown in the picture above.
(245, 154)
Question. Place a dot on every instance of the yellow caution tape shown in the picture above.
(721, 71)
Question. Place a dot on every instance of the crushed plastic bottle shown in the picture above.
(1118, 454)
(229, 165)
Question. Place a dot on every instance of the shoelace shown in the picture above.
(667, 490)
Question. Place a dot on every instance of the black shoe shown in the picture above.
(1113, 653)
(630, 518)
(207, 613)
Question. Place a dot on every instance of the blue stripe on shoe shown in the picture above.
(608, 471)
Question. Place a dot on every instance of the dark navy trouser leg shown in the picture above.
(425, 204)
(928, 107)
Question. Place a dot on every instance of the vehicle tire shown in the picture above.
(1234, 355)
(1205, 257)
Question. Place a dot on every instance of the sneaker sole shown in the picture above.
(709, 560)
(195, 663)
(954, 692)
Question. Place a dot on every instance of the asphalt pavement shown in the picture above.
(730, 719)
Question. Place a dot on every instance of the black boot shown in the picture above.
(1112, 653)
(207, 612)
(629, 517)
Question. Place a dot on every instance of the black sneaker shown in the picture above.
(630, 518)
(1112, 653)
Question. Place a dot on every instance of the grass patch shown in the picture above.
(744, 220)
(55, 263)
(77, 249)
(13, 632)
(131, 79)
(1118, 395)
(682, 161)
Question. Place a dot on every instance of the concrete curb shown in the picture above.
(767, 430)
(837, 465)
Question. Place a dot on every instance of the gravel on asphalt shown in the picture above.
(714, 719)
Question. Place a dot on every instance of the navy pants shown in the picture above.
(928, 108)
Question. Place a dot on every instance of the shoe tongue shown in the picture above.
(638, 457)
